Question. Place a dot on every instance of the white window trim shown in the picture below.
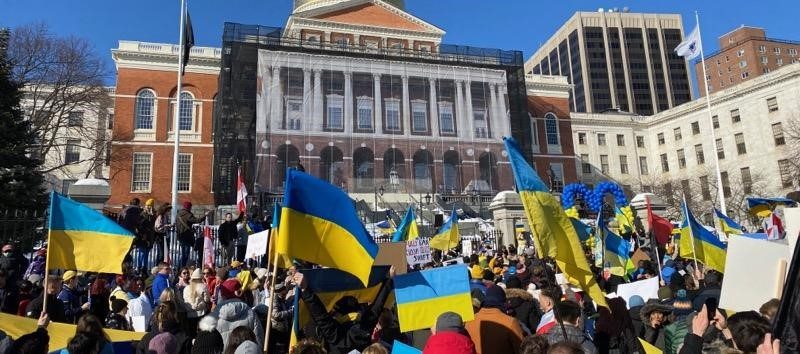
(191, 171)
(293, 100)
(534, 134)
(484, 124)
(447, 106)
(334, 101)
(195, 133)
(396, 103)
(365, 102)
(558, 170)
(149, 178)
(554, 148)
(415, 108)
(145, 134)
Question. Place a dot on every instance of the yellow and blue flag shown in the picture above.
(762, 207)
(79, 234)
(707, 248)
(554, 234)
(407, 230)
(319, 224)
(625, 223)
(423, 296)
(617, 253)
(729, 227)
(447, 237)
(282, 261)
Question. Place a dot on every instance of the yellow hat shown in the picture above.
(236, 264)
(68, 275)
(476, 272)
(150, 202)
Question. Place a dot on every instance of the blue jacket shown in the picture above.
(160, 283)
(72, 303)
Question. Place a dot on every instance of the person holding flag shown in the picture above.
(700, 244)
(447, 237)
(408, 229)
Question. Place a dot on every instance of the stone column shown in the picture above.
(434, 102)
(318, 101)
(406, 107)
(505, 120)
(461, 119)
(277, 99)
(348, 102)
(492, 111)
(307, 100)
(263, 123)
(468, 104)
(378, 100)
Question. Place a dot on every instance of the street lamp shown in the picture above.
(476, 198)
(427, 199)
(394, 179)
(380, 192)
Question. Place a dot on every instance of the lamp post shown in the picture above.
(476, 195)
(394, 179)
(428, 199)
(380, 192)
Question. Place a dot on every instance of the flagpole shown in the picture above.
(720, 192)
(47, 253)
(176, 121)
(652, 237)
(268, 325)
(691, 231)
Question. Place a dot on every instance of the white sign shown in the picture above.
(754, 273)
(647, 289)
(466, 247)
(418, 251)
(257, 245)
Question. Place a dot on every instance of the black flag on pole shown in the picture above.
(188, 39)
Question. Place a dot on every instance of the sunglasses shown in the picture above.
(184, 272)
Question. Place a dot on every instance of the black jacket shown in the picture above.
(228, 232)
(523, 307)
(184, 226)
(55, 308)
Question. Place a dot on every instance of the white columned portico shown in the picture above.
(378, 100)
(494, 129)
(406, 107)
(469, 113)
(277, 99)
(348, 102)
(318, 101)
(433, 103)
(308, 100)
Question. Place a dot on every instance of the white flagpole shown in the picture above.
(176, 119)
(720, 192)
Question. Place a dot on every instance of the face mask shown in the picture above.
(6, 254)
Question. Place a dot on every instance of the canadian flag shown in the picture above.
(773, 227)
(241, 192)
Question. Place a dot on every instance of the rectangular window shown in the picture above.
(184, 172)
(65, 184)
(557, 172)
(640, 142)
(735, 118)
(705, 190)
(678, 135)
(747, 180)
(772, 104)
(661, 140)
(777, 50)
(740, 53)
(586, 167)
(481, 129)
(792, 51)
(604, 164)
(740, 146)
(779, 61)
(643, 165)
(777, 134)
(72, 152)
(720, 149)
(419, 115)
(664, 163)
(392, 107)
(582, 138)
(620, 140)
(698, 152)
(687, 190)
(623, 164)
(785, 168)
(681, 159)
(601, 139)
(75, 119)
(745, 75)
(695, 128)
(764, 60)
(364, 109)
(726, 184)
(294, 114)
(140, 175)
(110, 121)
(335, 112)
(762, 49)
(446, 122)
(715, 121)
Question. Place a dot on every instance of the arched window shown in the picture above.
(551, 129)
(423, 171)
(451, 172)
(363, 168)
(287, 157)
(488, 170)
(394, 169)
(332, 166)
(145, 110)
(186, 112)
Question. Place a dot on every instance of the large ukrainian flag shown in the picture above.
(617, 252)
(81, 238)
(553, 232)
(729, 227)
(423, 296)
(447, 236)
(707, 249)
(408, 229)
(319, 224)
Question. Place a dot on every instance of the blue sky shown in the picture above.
(504, 24)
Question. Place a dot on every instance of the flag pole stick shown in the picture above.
(653, 240)
(47, 253)
(720, 192)
(691, 232)
(176, 119)
(271, 308)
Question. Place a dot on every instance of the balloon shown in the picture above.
(604, 188)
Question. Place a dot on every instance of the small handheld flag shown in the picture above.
(447, 237)
(241, 192)
(728, 226)
(408, 229)
(700, 244)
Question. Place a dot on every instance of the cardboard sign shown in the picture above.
(639, 255)
(256, 245)
(755, 271)
(647, 289)
(393, 254)
(466, 247)
(418, 251)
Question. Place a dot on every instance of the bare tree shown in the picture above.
(61, 76)
(792, 136)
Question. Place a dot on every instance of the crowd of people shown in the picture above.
(519, 306)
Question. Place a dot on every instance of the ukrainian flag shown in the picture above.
(81, 238)
(407, 230)
(617, 252)
(319, 224)
(625, 224)
(762, 207)
(554, 234)
(729, 227)
(709, 249)
(423, 296)
(282, 261)
(447, 236)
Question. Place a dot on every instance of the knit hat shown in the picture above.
(208, 342)
(229, 288)
(68, 275)
(236, 264)
(681, 306)
(664, 293)
(197, 274)
(476, 272)
(118, 304)
(635, 300)
(495, 297)
(150, 202)
(187, 205)
(449, 321)
(164, 343)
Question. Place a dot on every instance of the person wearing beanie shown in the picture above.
(492, 330)
(675, 332)
(476, 279)
(163, 343)
(522, 305)
(183, 226)
(635, 304)
(232, 312)
(449, 336)
(117, 317)
(665, 295)
(208, 340)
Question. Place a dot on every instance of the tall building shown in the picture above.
(617, 60)
(745, 53)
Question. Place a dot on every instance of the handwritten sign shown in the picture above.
(418, 251)
(256, 245)
(466, 247)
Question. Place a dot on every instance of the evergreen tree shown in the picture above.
(21, 182)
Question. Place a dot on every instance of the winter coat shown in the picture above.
(524, 308)
(14, 265)
(227, 231)
(130, 217)
(248, 347)
(232, 313)
(55, 308)
(198, 306)
(160, 283)
(184, 226)
(145, 231)
(117, 321)
(493, 331)
(574, 335)
(71, 299)
(449, 343)
(36, 267)
(636, 317)
(654, 336)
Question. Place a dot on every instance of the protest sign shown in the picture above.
(754, 273)
(639, 255)
(256, 245)
(647, 289)
(418, 251)
(393, 254)
(466, 247)
(791, 218)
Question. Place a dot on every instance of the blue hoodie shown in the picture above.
(160, 283)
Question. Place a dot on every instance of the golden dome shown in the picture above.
(305, 5)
